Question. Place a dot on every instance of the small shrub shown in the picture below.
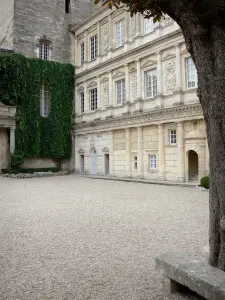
(204, 182)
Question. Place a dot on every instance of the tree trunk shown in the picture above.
(208, 52)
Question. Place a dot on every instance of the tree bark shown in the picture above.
(207, 47)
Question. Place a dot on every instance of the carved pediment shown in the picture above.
(104, 79)
(105, 150)
(80, 89)
(81, 151)
(104, 21)
(168, 56)
(93, 28)
(118, 74)
(117, 13)
(148, 62)
(92, 83)
(80, 37)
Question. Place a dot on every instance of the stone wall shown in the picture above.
(6, 24)
(4, 149)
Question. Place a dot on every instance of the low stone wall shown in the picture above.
(35, 174)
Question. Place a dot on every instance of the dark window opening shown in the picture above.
(67, 6)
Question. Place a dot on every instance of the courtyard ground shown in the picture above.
(74, 238)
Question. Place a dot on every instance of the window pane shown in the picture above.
(172, 136)
(191, 73)
(94, 99)
(82, 53)
(150, 83)
(44, 50)
(120, 91)
(93, 47)
(45, 100)
(119, 33)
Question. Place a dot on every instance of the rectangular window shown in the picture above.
(82, 53)
(191, 73)
(150, 83)
(45, 100)
(152, 161)
(44, 50)
(135, 162)
(82, 102)
(120, 91)
(94, 99)
(172, 136)
(119, 33)
(93, 47)
(148, 25)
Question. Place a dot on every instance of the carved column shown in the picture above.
(180, 145)
(12, 140)
(127, 82)
(161, 152)
(110, 89)
(128, 153)
(126, 28)
(140, 151)
(178, 68)
(111, 156)
(86, 98)
(138, 78)
(159, 73)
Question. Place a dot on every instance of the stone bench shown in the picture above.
(182, 272)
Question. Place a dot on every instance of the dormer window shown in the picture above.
(44, 49)
(67, 6)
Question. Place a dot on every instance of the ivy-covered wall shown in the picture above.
(21, 79)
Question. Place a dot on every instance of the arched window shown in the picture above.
(67, 6)
(44, 49)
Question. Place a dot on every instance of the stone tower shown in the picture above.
(23, 23)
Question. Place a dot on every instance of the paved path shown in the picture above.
(74, 238)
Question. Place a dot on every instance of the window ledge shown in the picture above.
(153, 171)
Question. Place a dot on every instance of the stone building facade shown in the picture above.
(25, 25)
(136, 110)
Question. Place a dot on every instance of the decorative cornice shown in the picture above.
(150, 117)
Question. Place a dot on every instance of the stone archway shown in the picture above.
(193, 166)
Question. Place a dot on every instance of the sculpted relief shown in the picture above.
(134, 86)
(105, 39)
(170, 76)
(106, 93)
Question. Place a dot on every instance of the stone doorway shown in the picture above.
(82, 164)
(193, 166)
(93, 162)
(106, 164)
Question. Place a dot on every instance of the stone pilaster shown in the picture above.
(111, 156)
(86, 98)
(99, 38)
(110, 34)
(128, 153)
(159, 80)
(162, 168)
(12, 140)
(100, 105)
(85, 46)
(178, 68)
(110, 89)
(140, 151)
(139, 94)
(180, 145)
(127, 82)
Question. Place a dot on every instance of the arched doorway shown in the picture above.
(93, 162)
(192, 166)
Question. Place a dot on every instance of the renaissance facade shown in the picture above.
(136, 109)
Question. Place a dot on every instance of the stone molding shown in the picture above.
(141, 118)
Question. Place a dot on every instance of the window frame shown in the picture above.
(82, 56)
(45, 100)
(81, 102)
(44, 49)
(119, 33)
(152, 166)
(153, 88)
(148, 29)
(135, 165)
(172, 136)
(93, 94)
(120, 91)
(191, 76)
(93, 47)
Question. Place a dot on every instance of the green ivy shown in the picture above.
(20, 85)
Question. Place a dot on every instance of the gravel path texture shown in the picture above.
(74, 238)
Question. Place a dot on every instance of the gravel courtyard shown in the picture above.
(74, 238)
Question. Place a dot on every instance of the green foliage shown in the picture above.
(20, 85)
(204, 182)
(29, 170)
